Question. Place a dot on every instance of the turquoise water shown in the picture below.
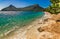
(8, 21)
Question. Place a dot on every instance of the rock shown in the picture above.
(40, 29)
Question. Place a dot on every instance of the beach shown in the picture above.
(24, 31)
(43, 28)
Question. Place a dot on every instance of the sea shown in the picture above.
(10, 19)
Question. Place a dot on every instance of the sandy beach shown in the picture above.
(39, 29)
(21, 33)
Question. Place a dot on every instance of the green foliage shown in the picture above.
(54, 1)
(54, 8)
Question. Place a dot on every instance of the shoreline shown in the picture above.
(42, 28)
(30, 25)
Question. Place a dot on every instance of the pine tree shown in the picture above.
(55, 7)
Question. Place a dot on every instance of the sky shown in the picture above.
(24, 3)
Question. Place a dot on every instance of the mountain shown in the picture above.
(9, 8)
(35, 7)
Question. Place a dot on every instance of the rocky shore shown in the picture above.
(47, 27)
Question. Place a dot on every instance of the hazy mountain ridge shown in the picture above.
(34, 7)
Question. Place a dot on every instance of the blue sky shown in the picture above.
(24, 3)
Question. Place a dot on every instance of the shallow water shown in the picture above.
(8, 21)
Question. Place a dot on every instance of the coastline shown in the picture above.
(11, 29)
(28, 27)
(42, 28)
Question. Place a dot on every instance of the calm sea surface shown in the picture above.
(8, 20)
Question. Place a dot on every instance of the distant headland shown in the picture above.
(34, 7)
